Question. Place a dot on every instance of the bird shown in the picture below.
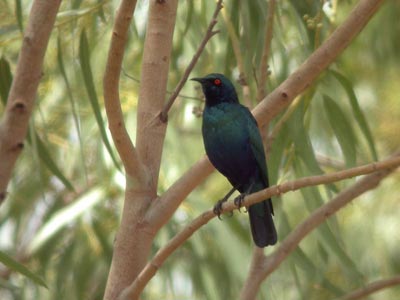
(234, 146)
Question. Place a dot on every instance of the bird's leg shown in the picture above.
(239, 199)
(218, 206)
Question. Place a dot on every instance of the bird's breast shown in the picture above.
(226, 141)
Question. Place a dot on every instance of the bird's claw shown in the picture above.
(239, 201)
(218, 208)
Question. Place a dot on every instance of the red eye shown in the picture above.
(217, 81)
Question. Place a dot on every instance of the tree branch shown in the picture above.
(20, 102)
(321, 58)
(134, 290)
(135, 235)
(150, 130)
(372, 288)
(263, 70)
(133, 166)
(272, 261)
(209, 34)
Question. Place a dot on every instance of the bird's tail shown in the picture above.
(262, 225)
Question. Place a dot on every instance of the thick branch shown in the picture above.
(14, 124)
(371, 288)
(150, 132)
(135, 235)
(133, 167)
(151, 268)
(209, 34)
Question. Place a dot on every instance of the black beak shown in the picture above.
(201, 80)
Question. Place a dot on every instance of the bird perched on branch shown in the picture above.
(234, 146)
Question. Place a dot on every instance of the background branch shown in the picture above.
(134, 290)
(263, 70)
(371, 288)
(272, 261)
(21, 98)
(239, 60)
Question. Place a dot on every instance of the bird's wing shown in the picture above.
(256, 144)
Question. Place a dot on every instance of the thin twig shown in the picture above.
(134, 290)
(209, 34)
(371, 288)
(168, 92)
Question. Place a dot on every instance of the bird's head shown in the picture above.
(217, 89)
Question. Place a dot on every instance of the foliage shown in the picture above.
(66, 193)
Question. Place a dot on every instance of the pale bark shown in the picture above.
(21, 99)
(134, 168)
(151, 129)
(136, 234)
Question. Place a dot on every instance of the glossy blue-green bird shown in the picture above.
(234, 146)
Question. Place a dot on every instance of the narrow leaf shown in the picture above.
(5, 80)
(84, 57)
(342, 129)
(45, 157)
(358, 113)
(18, 12)
(20, 268)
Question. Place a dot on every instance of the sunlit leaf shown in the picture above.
(64, 217)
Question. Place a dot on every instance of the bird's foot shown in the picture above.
(239, 201)
(218, 208)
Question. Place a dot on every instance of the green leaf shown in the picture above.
(84, 57)
(20, 268)
(45, 157)
(342, 129)
(5, 80)
(18, 12)
(301, 139)
(72, 103)
(357, 112)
